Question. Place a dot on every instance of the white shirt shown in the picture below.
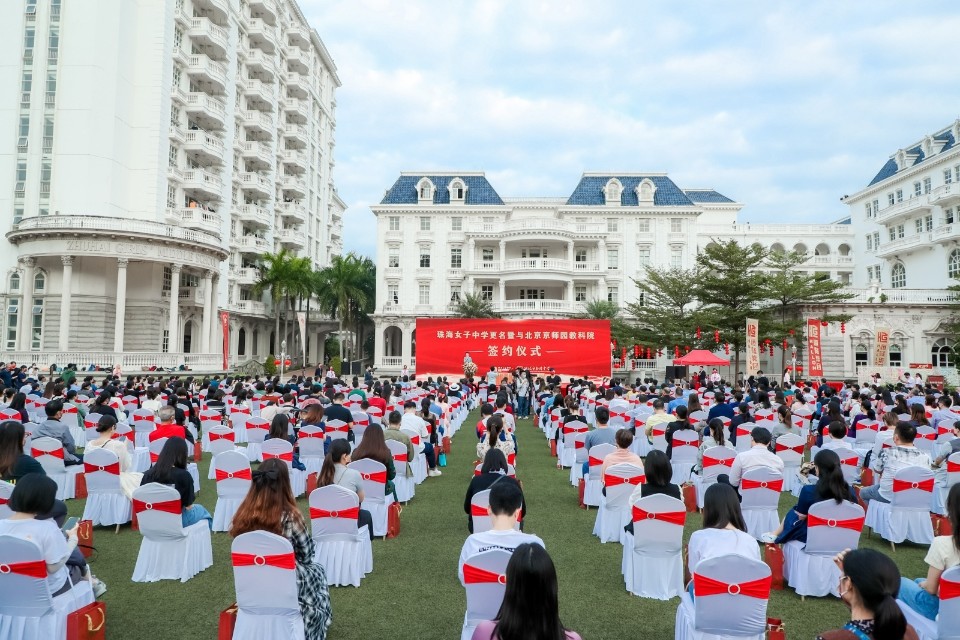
(151, 405)
(715, 377)
(710, 543)
(46, 535)
(756, 456)
(508, 421)
(833, 445)
(413, 422)
(492, 377)
(507, 540)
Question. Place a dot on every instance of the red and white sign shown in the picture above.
(881, 346)
(753, 346)
(225, 324)
(814, 353)
(571, 347)
(919, 365)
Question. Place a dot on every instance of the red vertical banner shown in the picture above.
(814, 354)
(225, 325)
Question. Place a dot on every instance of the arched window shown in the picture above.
(861, 355)
(941, 355)
(646, 191)
(776, 247)
(425, 191)
(14, 282)
(612, 191)
(39, 282)
(896, 356)
(242, 342)
(898, 276)
(953, 264)
(800, 248)
(458, 190)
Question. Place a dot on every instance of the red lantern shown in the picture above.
(276, 362)
(771, 349)
(843, 327)
(698, 333)
(623, 354)
(726, 348)
(716, 336)
(613, 344)
(286, 363)
(648, 353)
(636, 350)
(824, 323)
(676, 351)
(791, 331)
(784, 344)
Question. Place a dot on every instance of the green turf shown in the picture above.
(413, 591)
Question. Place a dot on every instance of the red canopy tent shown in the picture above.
(701, 357)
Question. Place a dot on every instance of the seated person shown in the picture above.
(53, 428)
(493, 471)
(901, 455)
(724, 531)
(494, 439)
(601, 434)
(659, 472)
(623, 454)
(758, 455)
(335, 471)
(167, 428)
(680, 424)
(171, 469)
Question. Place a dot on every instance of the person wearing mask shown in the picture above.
(623, 454)
(523, 396)
(14, 463)
(869, 582)
(166, 427)
(680, 424)
(724, 532)
(494, 470)
(758, 455)
(53, 428)
(171, 469)
(335, 471)
(106, 429)
(921, 594)
(530, 607)
(902, 454)
(393, 432)
(270, 506)
(493, 439)
(373, 446)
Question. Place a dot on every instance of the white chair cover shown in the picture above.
(267, 605)
(479, 503)
(684, 454)
(831, 528)
(926, 440)
(238, 420)
(217, 440)
(310, 440)
(908, 516)
(257, 429)
(49, 453)
(342, 547)
(485, 582)
(231, 471)
(282, 449)
(375, 500)
(925, 627)
(716, 460)
(106, 503)
(593, 483)
(789, 447)
(614, 513)
(652, 559)
(404, 484)
(948, 621)
(168, 551)
(743, 436)
(336, 429)
(731, 615)
(760, 490)
(142, 429)
(420, 464)
(5, 490)
(567, 454)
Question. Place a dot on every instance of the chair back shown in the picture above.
(926, 440)
(130, 403)
(789, 448)
(264, 573)
(619, 418)
(571, 429)
(221, 439)
(334, 511)
(620, 480)
(91, 420)
(658, 525)
(23, 581)
(400, 456)
(6, 489)
(49, 453)
(310, 440)
(374, 477)
(743, 436)
(578, 442)
(336, 429)
(913, 488)
(948, 619)
(415, 439)
(143, 426)
(231, 470)
(158, 508)
(143, 414)
(210, 415)
(849, 464)
(360, 423)
(70, 416)
(953, 469)
(717, 460)
(801, 421)
(833, 527)
(760, 488)
(10, 414)
(658, 437)
(697, 416)
(124, 430)
(155, 447)
(945, 427)
(484, 576)
(731, 596)
(278, 448)
(595, 457)
(765, 415)
(685, 446)
(257, 429)
(479, 504)
(867, 431)
(102, 470)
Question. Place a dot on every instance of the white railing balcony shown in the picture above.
(297, 133)
(252, 307)
(129, 361)
(260, 61)
(831, 259)
(945, 194)
(537, 264)
(202, 180)
(294, 184)
(258, 120)
(296, 57)
(487, 266)
(298, 82)
(586, 267)
(203, 143)
(297, 108)
(292, 210)
(537, 306)
(203, 66)
(178, 95)
(292, 237)
(298, 35)
(256, 182)
(392, 272)
(209, 105)
(196, 218)
(550, 225)
(75, 223)
(251, 244)
(258, 151)
(903, 245)
(902, 296)
(296, 158)
(253, 214)
(904, 209)
(259, 89)
(778, 230)
(390, 362)
(946, 232)
(203, 30)
(246, 276)
(262, 35)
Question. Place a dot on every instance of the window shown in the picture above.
(39, 282)
(612, 225)
(177, 37)
(456, 224)
(900, 231)
(899, 195)
(424, 259)
(676, 258)
(941, 355)
(394, 223)
(868, 206)
(869, 242)
(927, 186)
(533, 294)
(165, 342)
(393, 258)
(14, 282)
(424, 294)
(861, 355)
(613, 258)
(641, 299)
(643, 225)
(948, 216)
(36, 335)
(167, 280)
(898, 276)
(177, 74)
(172, 156)
(613, 295)
(426, 191)
(486, 254)
(393, 294)
(918, 223)
(174, 117)
(947, 176)
(643, 256)
(896, 356)
(876, 239)
(890, 199)
(893, 233)
(486, 292)
(676, 225)
(917, 189)
(13, 306)
(171, 196)
(580, 255)
(953, 264)
(455, 293)
(424, 224)
(928, 223)
(876, 207)
(580, 293)
(456, 258)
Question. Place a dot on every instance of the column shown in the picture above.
(503, 253)
(602, 260)
(25, 315)
(378, 344)
(173, 333)
(602, 294)
(471, 254)
(121, 304)
(205, 331)
(503, 291)
(570, 255)
(569, 296)
(216, 333)
(405, 350)
(66, 297)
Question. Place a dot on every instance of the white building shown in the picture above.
(149, 152)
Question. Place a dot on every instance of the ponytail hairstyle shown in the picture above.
(494, 427)
(338, 449)
(868, 411)
(877, 581)
(786, 416)
(716, 430)
(953, 512)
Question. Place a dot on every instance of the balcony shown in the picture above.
(900, 296)
(265, 9)
(393, 272)
(537, 306)
(178, 95)
(776, 230)
(251, 245)
(203, 31)
(298, 36)
(295, 160)
(902, 210)
(832, 259)
(261, 62)
(257, 183)
(176, 133)
(195, 218)
(253, 215)
(905, 245)
(292, 238)
(550, 264)
(297, 84)
(251, 307)
(258, 154)
(207, 111)
(487, 266)
(297, 134)
(947, 232)
(294, 185)
(292, 211)
(296, 110)
(297, 59)
(258, 121)
(219, 7)
(533, 226)
(262, 35)
(245, 276)
(202, 68)
(259, 92)
(203, 181)
(946, 195)
(206, 148)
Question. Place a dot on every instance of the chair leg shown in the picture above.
(117, 530)
(893, 547)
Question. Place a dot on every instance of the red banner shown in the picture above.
(225, 324)
(814, 354)
(571, 347)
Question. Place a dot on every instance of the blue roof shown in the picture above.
(707, 195)
(589, 191)
(890, 168)
(479, 190)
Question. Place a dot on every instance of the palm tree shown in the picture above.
(275, 271)
(341, 289)
(472, 305)
(299, 285)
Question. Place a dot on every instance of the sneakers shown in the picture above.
(99, 587)
(433, 473)
(768, 537)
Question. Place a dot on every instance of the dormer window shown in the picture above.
(612, 192)
(425, 191)
(458, 191)
(645, 191)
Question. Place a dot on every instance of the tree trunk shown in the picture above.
(276, 330)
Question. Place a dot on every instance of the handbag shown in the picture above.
(689, 497)
(80, 484)
(85, 538)
(773, 556)
(228, 620)
(581, 488)
(197, 451)
(941, 525)
(393, 519)
(88, 623)
(312, 482)
(775, 629)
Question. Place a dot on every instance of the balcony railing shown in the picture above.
(196, 218)
(538, 306)
(832, 259)
(118, 225)
(252, 244)
(129, 361)
(204, 30)
(903, 244)
(906, 296)
(254, 214)
(292, 210)
(535, 224)
(200, 64)
(773, 229)
(945, 193)
(245, 275)
(252, 307)
(904, 209)
(204, 180)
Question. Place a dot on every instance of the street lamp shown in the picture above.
(283, 356)
(793, 360)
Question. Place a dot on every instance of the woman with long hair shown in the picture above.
(106, 429)
(19, 403)
(921, 594)
(658, 473)
(492, 440)
(830, 485)
(270, 506)
(900, 405)
(724, 531)
(869, 582)
(101, 405)
(280, 429)
(784, 424)
(713, 436)
(334, 471)
(312, 415)
(171, 469)
(530, 609)
(373, 446)
(918, 416)
(14, 463)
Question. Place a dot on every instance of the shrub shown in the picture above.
(268, 367)
(335, 364)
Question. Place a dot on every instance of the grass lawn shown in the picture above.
(414, 592)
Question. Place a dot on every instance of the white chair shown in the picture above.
(71, 418)
(658, 437)
(716, 460)
(282, 449)
(652, 559)
(232, 474)
(484, 578)
(620, 481)
(142, 430)
(479, 511)
(789, 448)
(257, 430)
(760, 489)
(49, 453)
(926, 440)
(575, 444)
(27, 608)
(405, 486)
(218, 440)
(743, 436)
(849, 465)
(238, 420)
(10, 414)
(420, 464)
(265, 579)
(683, 454)
(5, 490)
(867, 433)
(342, 547)
(168, 551)
(360, 423)
(106, 503)
(592, 492)
(907, 517)
(731, 601)
(156, 446)
(310, 440)
(336, 429)
(831, 528)
(567, 453)
(375, 500)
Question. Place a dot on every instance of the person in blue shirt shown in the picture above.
(721, 409)
(680, 400)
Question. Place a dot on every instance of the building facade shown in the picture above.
(151, 152)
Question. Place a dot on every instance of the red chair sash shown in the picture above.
(854, 524)
(401, 457)
(69, 409)
(168, 506)
(594, 462)
(286, 457)
(783, 447)
(415, 439)
(242, 410)
(344, 428)
(31, 569)
(476, 575)
(3, 501)
(154, 456)
(379, 477)
(872, 426)
(713, 462)
(949, 589)
(258, 425)
(928, 436)
(953, 467)
(850, 462)
(280, 560)
(223, 436)
(673, 517)
(478, 511)
(110, 468)
(773, 485)
(347, 514)
(311, 434)
(614, 414)
(903, 485)
(241, 474)
(616, 481)
(704, 586)
(578, 444)
(56, 453)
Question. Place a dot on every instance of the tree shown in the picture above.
(274, 275)
(665, 314)
(472, 305)
(620, 330)
(341, 290)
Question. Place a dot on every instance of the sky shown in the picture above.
(782, 106)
